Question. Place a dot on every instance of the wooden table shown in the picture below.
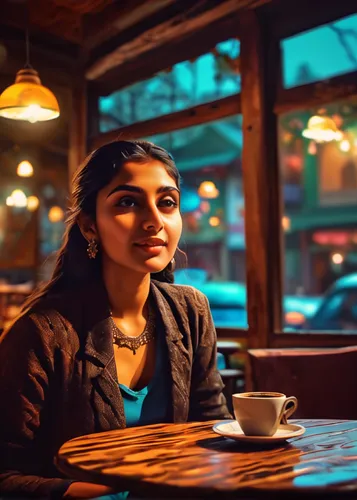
(191, 461)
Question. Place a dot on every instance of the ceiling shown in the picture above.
(79, 21)
(95, 29)
(111, 42)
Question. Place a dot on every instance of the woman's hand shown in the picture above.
(87, 490)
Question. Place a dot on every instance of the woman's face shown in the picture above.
(138, 221)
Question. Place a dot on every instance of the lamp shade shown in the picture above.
(27, 99)
(322, 129)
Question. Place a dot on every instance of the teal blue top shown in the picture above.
(149, 405)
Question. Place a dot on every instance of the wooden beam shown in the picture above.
(259, 66)
(317, 93)
(114, 19)
(179, 27)
(295, 16)
(78, 126)
(180, 119)
(154, 61)
(93, 118)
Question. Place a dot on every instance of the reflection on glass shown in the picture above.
(320, 53)
(211, 76)
(320, 200)
(209, 160)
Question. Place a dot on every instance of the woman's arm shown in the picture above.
(26, 367)
(207, 401)
(26, 370)
(87, 490)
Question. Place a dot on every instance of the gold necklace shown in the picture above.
(133, 343)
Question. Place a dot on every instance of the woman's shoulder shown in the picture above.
(47, 321)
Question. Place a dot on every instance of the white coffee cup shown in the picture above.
(260, 413)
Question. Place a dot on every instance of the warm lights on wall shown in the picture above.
(55, 214)
(32, 203)
(17, 199)
(25, 169)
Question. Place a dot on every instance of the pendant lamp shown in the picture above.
(27, 99)
(322, 129)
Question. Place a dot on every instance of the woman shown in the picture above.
(109, 342)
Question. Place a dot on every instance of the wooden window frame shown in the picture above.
(261, 101)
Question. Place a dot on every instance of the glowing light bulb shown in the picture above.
(286, 223)
(24, 169)
(208, 189)
(9, 201)
(32, 203)
(337, 258)
(32, 113)
(55, 214)
(345, 146)
(19, 198)
(214, 221)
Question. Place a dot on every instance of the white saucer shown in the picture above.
(231, 429)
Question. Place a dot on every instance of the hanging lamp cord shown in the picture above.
(27, 64)
(27, 38)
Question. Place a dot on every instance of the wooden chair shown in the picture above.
(231, 377)
(323, 380)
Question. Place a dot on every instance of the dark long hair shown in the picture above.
(73, 267)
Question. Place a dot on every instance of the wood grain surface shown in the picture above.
(190, 460)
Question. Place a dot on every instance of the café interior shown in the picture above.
(257, 102)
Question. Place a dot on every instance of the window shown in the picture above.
(318, 157)
(338, 311)
(208, 157)
(321, 53)
(212, 76)
(31, 227)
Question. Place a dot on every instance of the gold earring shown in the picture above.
(92, 249)
(171, 265)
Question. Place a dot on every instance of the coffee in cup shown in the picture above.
(260, 413)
